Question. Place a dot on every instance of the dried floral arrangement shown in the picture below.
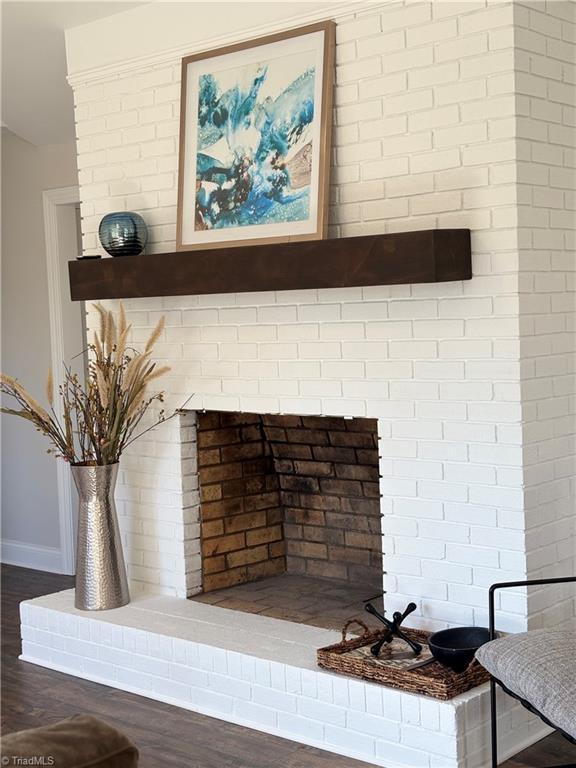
(100, 419)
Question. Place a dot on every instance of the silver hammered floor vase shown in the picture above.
(101, 582)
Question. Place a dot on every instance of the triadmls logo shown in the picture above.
(33, 760)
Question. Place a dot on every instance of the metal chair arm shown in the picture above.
(507, 584)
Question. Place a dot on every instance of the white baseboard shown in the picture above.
(32, 556)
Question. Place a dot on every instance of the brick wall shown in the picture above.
(241, 515)
(288, 493)
(428, 115)
(546, 76)
(328, 473)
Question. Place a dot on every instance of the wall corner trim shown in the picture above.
(51, 199)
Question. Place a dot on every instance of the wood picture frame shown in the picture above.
(266, 106)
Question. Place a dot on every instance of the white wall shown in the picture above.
(163, 27)
(427, 134)
(30, 525)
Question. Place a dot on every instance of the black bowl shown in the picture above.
(455, 648)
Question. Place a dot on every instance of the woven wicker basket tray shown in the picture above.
(353, 657)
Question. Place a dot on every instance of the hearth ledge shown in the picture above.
(261, 673)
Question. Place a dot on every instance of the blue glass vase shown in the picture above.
(123, 233)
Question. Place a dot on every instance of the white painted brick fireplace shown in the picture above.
(446, 115)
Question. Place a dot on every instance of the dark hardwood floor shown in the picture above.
(167, 737)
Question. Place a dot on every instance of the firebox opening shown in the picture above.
(289, 514)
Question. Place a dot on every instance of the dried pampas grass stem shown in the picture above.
(100, 417)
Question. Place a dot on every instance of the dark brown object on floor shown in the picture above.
(167, 737)
(429, 256)
(77, 742)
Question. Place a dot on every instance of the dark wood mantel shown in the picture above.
(408, 257)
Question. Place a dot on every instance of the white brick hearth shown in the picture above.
(261, 673)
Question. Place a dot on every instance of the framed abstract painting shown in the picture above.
(255, 130)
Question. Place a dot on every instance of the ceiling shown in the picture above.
(36, 99)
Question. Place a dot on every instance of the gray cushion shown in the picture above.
(540, 667)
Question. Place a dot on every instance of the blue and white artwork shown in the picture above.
(254, 147)
(253, 143)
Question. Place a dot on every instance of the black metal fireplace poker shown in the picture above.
(393, 628)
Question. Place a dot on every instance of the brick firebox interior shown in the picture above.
(296, 495)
